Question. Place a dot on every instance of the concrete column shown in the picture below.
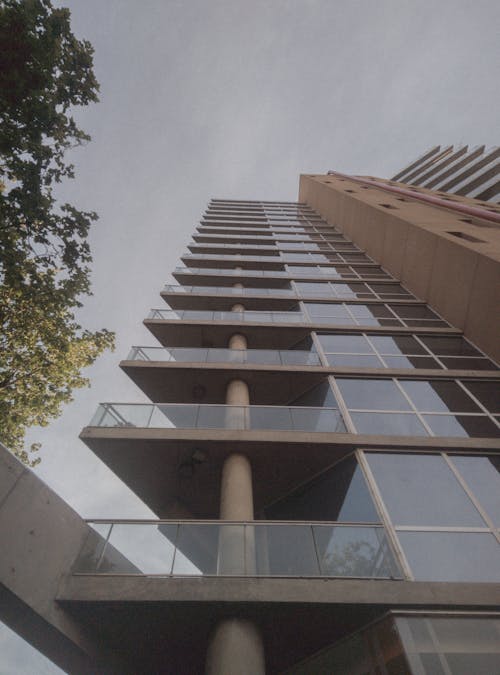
(238, 341)
(236, 646)
(236, 494)
(236, 649)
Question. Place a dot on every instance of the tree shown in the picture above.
(44, 253)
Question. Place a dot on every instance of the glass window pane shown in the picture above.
(339, 494)
(482, 475)
(466, 363)
(372, 394)
(414, 312)
(439, 396)
(354, 361)
(354, 552)
(422, 490)
(369, 311)
(320, 396)
(452, 556)
(140, 549)
(198, 549)
(286, 550)
(317, 309)
(388, 424)
(473, 426)
(270, 417)
(316, 419)
(347, 343)
(411, 362)
(488, 393)
(397, 344)
(466, 645)
(382, 289)
(452, 346)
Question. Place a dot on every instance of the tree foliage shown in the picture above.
(44, 254)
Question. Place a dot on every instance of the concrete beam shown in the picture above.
(41, 537)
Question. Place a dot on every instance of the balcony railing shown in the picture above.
(218, 416)
(334, 270)
(229, 290)
(207, 315)
(274, 357)
(257, 549)
(223, 271)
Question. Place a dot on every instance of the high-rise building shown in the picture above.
(321, 450)
(473, 172)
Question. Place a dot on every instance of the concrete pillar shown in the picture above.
(236, 646)
(236, 649)
(238, 341)
(237, 400)
(236, 494)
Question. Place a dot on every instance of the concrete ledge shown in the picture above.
(394, 593)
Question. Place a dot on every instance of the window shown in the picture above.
(434, 502)
(339, 494)
(431, 407)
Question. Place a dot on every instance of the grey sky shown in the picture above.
(230, 98)
(235, 99)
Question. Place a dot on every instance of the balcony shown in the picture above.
(272, 357)
(230, 290)
(267, 277)
(200, 315)
(256, 549)
(213, 416)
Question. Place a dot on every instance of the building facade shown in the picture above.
(321, 447)
(469, 172)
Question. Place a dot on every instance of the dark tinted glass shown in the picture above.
(488, 393)
(452, 346)
(388, 424)
(473, 426)
(439, 396)
(319, 396)
(339, 494)
(414, 312)
(397, 344)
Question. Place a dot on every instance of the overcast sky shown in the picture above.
(230, 98)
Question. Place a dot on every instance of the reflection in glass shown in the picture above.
(482, 475)
(411, 362)
(375, 649)
(354, 361)
(372, 394)
(452, 556)
(439, 396)
(464, 426)
(146, 549)
(388, 424)
(339, 494)
(464, 645)
(422, 490)
(345, 343)
(286, 550)
(354, 552)
(397, 344)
